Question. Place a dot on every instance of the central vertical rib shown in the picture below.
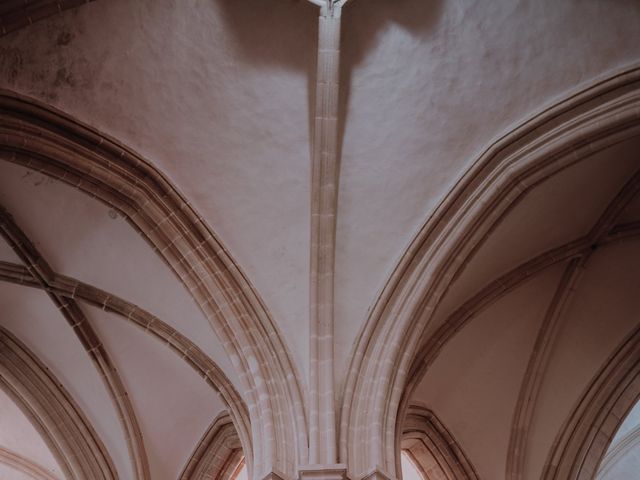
(324, 194)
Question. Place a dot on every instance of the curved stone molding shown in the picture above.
(586, 434)
(499, 287)
(71, 438)
(218, 454)
(48, 141)
(602, 234)
(631, 441)
(597, 118)
(537, 366)
(541, 355)
(87, 336)
(17, 14)
(181, 345)
(24, 465)
(433, 448)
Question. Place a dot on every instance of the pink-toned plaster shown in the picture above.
(430, 85)
(82, 238)
(174, 404)
(561, 209)
(216, 95)
(7, 254)
(213, 93)
(31, 316)
(471, 385)
(19, 435)
(603, 310)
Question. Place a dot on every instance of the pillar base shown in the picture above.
(336, 471)
(376, 474)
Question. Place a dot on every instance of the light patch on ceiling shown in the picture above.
(409, 470)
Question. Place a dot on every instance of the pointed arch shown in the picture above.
(46, 140)
(66, 430)
(562, 135)
(585, 436)
(87, 336)
(433, 447)
(218, 454)
(197, 359)
(618, 450)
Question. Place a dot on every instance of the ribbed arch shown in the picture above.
(585, 436)
(433, 448)
(629, 443)
(576, 253)
(205, 367)
(66, 430)
(45, 140)
(85, 333)
(218, 454)
(590, 121)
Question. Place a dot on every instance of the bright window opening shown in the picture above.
(241, 472)
(409, 469)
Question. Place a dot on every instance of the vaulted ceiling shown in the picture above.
(218, 97)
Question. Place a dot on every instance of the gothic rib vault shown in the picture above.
(303, 236)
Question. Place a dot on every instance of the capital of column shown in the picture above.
(330, 7)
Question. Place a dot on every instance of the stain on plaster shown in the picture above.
(64, 38)
(36, 179)
(43, 64)
(11, 63)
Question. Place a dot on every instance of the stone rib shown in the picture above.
(88, 337)
(218, 454)
(543, 348)
(178, 343)
(24, 465)
(583, 439)
(66, 430)
(324, 203)
(562, 135)
(43, 139)
(437, 444)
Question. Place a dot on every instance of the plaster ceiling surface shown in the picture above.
(172, 402)
(7, 254)
(632, 212)
(17, 434)
(428, 85)
(217, 94)
(461, 385)
(32, 317)
(601, 312)
(82, 238)
(557, 211)
(8, 473)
